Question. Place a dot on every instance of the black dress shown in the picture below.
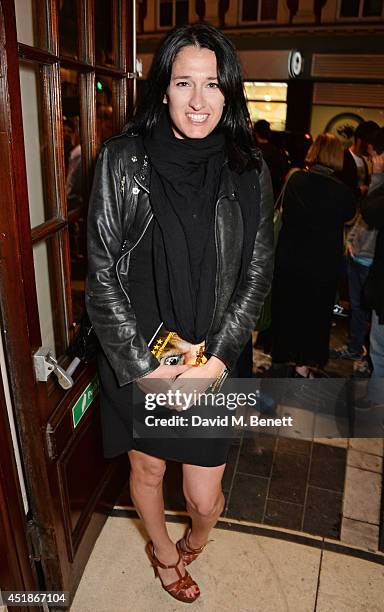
(116, 403)
(307, 266)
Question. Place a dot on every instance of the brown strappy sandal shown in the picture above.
(189, 554)
(178, 588)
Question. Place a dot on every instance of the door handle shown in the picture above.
(45, 363)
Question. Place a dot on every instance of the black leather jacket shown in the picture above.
(120, 213)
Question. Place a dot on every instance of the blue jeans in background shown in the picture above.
(358, 326)
(375, 391)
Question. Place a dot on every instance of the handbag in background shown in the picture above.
(85, 343)
(265, 318)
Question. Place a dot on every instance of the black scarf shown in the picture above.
(184, 182)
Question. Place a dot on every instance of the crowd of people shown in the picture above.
(332, 225)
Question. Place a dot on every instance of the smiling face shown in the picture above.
(194, 99)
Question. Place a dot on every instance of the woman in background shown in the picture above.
(308, 258)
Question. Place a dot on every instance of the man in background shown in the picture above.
(361, 243)
(372, 211)
(275, 158)
(356, 170)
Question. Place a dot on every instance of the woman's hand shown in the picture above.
(199, 379)
(168, 372)
(211, 371)
(162, 379)
(181, 379)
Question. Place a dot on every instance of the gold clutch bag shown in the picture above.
(170, 349)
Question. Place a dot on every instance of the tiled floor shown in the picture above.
(237, 571)
(358, 509)
(289, 484)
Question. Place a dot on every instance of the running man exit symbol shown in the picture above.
(84, 401)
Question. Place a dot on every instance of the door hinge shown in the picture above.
(40, 541)
(51, 446)
(33, 540)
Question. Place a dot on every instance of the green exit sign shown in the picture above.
(84, 401)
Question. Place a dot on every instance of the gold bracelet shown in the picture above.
(216, 386)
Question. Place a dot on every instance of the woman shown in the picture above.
(309, 256)
(180, 233)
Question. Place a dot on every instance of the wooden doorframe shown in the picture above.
(17, 571)
(16, 291)
(48, 529)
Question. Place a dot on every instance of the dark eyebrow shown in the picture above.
(211, 78)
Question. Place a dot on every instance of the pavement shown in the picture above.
(239, 571)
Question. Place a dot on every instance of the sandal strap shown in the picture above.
(195, 551)
(179, 587)
(182, 584)
(157, 563)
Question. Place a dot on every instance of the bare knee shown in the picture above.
(207, 506)
(146, 470)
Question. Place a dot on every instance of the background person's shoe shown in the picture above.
(361, 368)
(339, 311)
(365, 404)
(343, 352)
(307, 376)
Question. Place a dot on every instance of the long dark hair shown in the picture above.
(235, 121)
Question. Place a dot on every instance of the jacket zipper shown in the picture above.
(138, 182)
(122, 185)
(134, 246)
(128, 253)
(217, 259)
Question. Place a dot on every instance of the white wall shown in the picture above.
(11, 419)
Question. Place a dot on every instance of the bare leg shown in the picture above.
(146, 484)
(205, 499)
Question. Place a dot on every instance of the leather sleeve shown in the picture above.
(241, 316)
(108, 306)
